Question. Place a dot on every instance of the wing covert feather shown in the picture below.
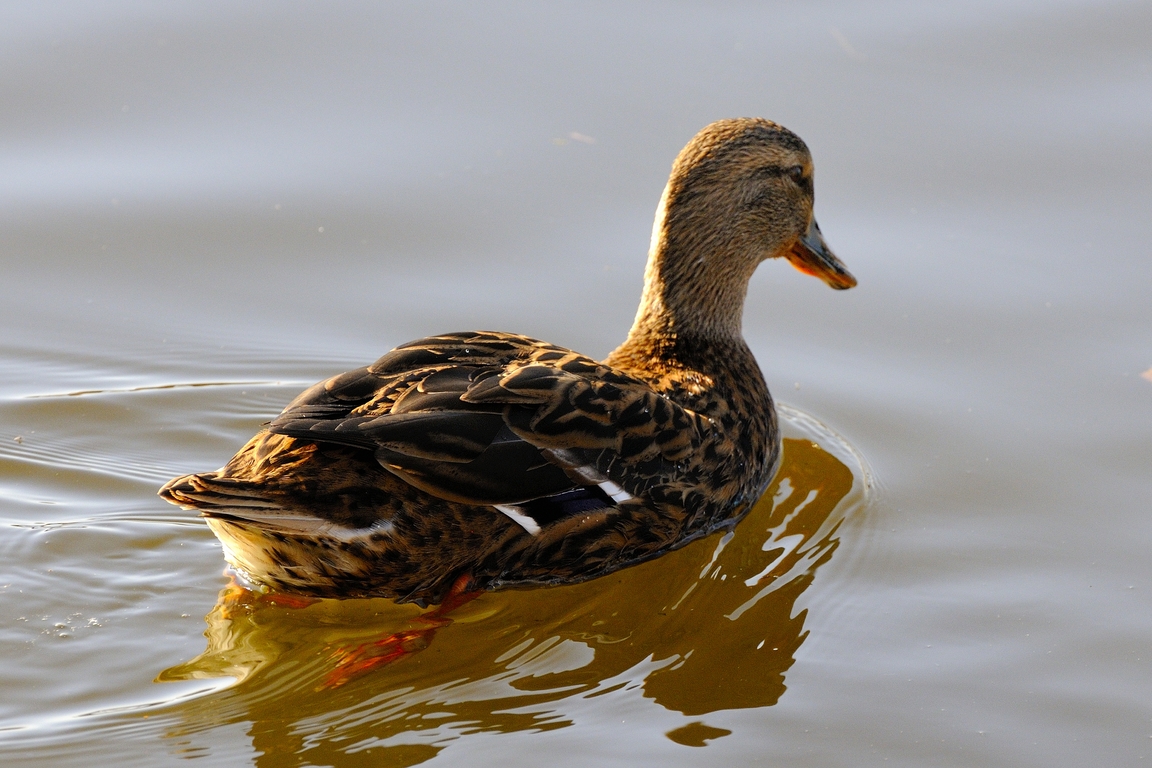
(489, 418)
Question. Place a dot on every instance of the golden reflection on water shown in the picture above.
(708, 627)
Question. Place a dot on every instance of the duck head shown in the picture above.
(739, 193)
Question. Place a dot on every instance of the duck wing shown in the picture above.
(500, 419)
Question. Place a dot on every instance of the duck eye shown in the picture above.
(797, 173)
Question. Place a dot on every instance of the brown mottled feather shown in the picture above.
(515, 461)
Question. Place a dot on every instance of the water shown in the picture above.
(207, 207)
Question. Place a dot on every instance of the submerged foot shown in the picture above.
(237, 597)
(353, 662)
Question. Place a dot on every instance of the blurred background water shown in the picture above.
(206, 207)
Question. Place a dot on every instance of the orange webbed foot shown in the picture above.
(351, 663)
(238, 597)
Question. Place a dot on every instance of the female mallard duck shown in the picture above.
(492, 459)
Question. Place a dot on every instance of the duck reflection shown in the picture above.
(709, 627)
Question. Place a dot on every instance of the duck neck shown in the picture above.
(695, 283)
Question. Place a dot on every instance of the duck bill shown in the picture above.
(812, 256)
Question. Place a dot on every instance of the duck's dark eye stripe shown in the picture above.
(795, 172)
(770, 170)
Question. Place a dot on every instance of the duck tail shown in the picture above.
(208, 492)
(250, 480)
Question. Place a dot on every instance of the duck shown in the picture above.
(481, 460)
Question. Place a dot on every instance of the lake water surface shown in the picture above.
(206, 207)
